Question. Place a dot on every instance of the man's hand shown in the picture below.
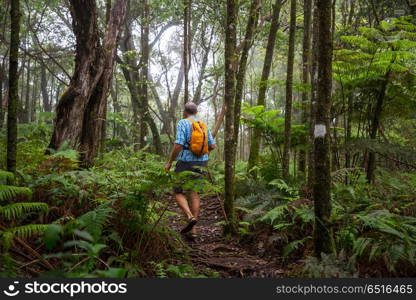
(177, 148)
(168, 166)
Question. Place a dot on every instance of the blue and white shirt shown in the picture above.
(183, 137)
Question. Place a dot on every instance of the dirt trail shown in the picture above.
(225, 256)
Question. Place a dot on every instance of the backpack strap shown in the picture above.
(192, 123)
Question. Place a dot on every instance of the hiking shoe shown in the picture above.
(189, 226)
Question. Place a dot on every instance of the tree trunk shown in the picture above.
(412, 7)
(348, 130)
(207, 48)
(351, 14)
(229, 98)
(314, 96)
(13, 85)
(247, 43)
(47, 105)
(146, 117)
(175, 99)
(26, 111)
(371, 165)
(137, 83)
(2, 83)
(34, 98)
(219, 120)
(20, 106)
(255, 140)
(80, 113)
(186, 47)
(306, 59)
(322, 182)
(289, 91)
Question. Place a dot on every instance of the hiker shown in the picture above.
(193, 143)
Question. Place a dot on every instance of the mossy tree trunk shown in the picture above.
(13, 98)
(2, 94)
(314, 87)
(230, 62)
(322, 182)
(80, 113)
(306, 62)
(242, 66)
(289, 91)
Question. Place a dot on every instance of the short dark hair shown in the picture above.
(191, 108)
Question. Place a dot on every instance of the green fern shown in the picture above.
(294, 245)
(339, 176)
(8, 192)
(23, 232)
(6, 176)
(27, 231)
(276, 213)
(16, 210)
(94, 220)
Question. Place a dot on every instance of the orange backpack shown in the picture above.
(199, 138)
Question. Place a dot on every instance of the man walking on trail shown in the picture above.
(193, 143)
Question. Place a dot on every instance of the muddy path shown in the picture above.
(225, 256)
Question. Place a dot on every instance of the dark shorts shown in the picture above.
(192, 166)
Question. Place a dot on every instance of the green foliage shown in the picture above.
(6, 176)
(26, 231)
(367, 58)
(369, 223)
(272, 126)
(8, 192)
(32, 141)
(65, 151)
(330, 266)
(93, 221)
(178, 271)
(16, 210)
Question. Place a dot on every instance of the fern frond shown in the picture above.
(339, 176)
(276, 213)
(6, 238)
(4, 175)
(8, 192)
(94, 220)
(292, 246)
(27, 231)
(15, 210)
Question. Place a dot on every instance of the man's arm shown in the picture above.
(179, 143)
(211, 142)
(177, 148)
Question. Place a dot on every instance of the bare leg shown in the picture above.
(183, 204)
(195, 206)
